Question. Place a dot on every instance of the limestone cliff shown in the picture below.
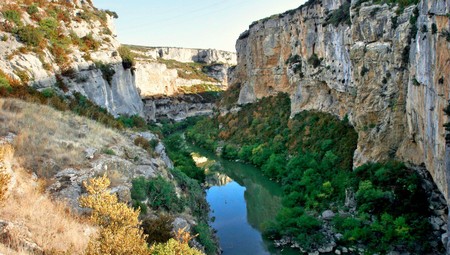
(170, 71)
(364, 61)
(68, 46)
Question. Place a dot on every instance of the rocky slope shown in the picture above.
(363, 61)
(69, 46)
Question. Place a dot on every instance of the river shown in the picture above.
(241, 200)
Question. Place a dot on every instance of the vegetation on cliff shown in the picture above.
(42, 31)
(380, 205)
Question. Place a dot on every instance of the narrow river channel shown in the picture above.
(241, 200)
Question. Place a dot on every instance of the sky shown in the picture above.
(203, 24)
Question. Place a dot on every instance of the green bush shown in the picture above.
(48, 25)
(159, 192)
(48, 93)
(13, 16)
(30, 35)
(32, 9)
(127, 56)
(107, 71)
(204, 237)
(181, 157)
(133, 121)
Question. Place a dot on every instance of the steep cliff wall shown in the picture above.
(390, 82)
(186, 55)
(68, 46)
(170, 71)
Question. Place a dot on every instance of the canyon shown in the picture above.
(383, 68)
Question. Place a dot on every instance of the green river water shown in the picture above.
(241, 200)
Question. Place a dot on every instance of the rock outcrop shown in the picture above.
(391, 82)
(93, 42)
(178, 107)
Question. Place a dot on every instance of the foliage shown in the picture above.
(159, 193)
(204, 234)
(188, 70)
(181, 157)
(32, 9)
(133, 121)
(119, 231)
(146, 144)
(107, 71)
(112, 14)
(314, 60)
(392, 209)
(30, 35)
(127, 56)
(295, 61)
(311, 155)
(174, 247)
(340, 15)
(158, 230)
(89, 43)
(434, 28)
(13, 16)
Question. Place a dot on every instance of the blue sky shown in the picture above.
(189, 23)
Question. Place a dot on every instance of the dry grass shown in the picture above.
(51, 225)
(48, 140)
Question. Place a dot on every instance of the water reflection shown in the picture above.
(241, 200)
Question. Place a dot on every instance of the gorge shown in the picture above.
(349, 96)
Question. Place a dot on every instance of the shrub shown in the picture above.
(158, 230)
(32, 9)
(314, 60)
(434, 28)
(340, 15)
(108, 151)
(134, 121)
(204, 236)
(48, 93)
(30, 35)
(13, 16)
(127, 56)
(145, 144)
(119, 232)
(89, 43)
(159, 192)
(112, 14)
(174, 247)
(49, 26)
(107, 71)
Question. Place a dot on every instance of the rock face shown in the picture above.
(390, 83)
(177, 107)
(156, 77)
(119, 96)
(185, 55)
(153, 78)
